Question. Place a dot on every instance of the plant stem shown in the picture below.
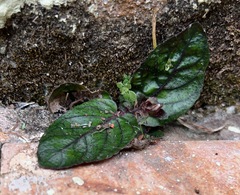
(154, 39)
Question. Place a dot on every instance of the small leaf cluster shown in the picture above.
(124, 87)
(164, 87)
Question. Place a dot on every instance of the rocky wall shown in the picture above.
(96, 42)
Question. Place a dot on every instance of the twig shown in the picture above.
(154, 39)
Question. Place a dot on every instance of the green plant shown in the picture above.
(165, 86)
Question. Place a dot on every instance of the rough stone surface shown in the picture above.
(27, 121)
(165, 168)
(168, 167)
(95, 42)
(10, 7)
(23, 125)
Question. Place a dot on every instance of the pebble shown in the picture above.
(78, 181)
(231, 110)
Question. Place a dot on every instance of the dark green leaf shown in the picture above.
(174, 72)
(92, 131)
(105, 95)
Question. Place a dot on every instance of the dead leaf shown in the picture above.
(67, 95)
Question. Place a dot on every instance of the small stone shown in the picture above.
(50, 192)
(218, 163)
(3, 49)
(231, 110)
(78, 181)
(161, 187)
(168, 159)
(234, 129)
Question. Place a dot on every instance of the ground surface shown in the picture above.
(166, 168)
(26, 122)
(179, 163)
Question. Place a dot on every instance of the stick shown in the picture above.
(154, 39)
